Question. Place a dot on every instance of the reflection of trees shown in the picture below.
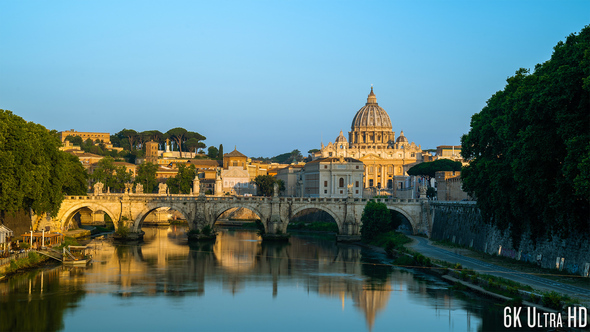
(23, 306)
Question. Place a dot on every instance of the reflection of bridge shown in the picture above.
(275, 213)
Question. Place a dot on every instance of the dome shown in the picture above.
(371, 115)
(341, 138)
(401, 138)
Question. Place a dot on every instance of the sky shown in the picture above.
(270, 76)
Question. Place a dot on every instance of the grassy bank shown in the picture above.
(33, 260)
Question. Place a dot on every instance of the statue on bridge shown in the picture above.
(128, 188)
(139, 188)
(162, 189)
(275, 190)
(196, 185)
(98, 188)
(349, 190)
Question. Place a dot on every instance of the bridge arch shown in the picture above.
(409, 218)
(65, 217)
(151, 207)
(220, 209)
(318, 207)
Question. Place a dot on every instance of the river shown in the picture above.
(237, 283)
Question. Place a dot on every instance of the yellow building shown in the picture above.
(373, 141)
(104, 137)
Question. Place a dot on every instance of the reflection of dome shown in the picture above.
(341, 139)
(371, 115)
(401, 138)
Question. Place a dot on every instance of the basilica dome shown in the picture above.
(371, 116)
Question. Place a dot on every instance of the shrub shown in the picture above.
(207, 230)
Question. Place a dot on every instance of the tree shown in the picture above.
(110, 175)
(34, 173)
(376, 220)
(212, 152)
(75, 140)
(131, 136)
(265, 184)
(182, 183)
(529, 147)
(178, 135)
(429, 169)
(193, 144)
(146, 176)
(75, 176)
(220, 154)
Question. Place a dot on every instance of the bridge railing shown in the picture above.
(252, 198)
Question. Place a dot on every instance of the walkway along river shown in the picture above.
(240, 283)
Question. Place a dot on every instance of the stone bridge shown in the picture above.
(275, 213)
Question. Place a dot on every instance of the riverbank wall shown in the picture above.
(461, 223)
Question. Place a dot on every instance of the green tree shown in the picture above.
(146, 176)
(220, 154)
(182, 183)
(75, 177)
(178, 135)
(376, 220)
(75, 140)
(212, 152)
(429, 169)
(112, 176)
(34, 173)
(529, 147)
(131, 136)
(265, 184)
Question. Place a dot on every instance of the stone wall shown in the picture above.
(461, 223)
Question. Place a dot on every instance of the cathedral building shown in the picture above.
(371, 139)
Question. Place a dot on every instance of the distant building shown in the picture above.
(450, 187)
(372, 141)
(290, 175)
(331, 177)
(235, 176)
(103, 137)
(452, 152)
(151, 152)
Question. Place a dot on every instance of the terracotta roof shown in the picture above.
(235, 153)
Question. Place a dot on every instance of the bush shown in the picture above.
(404, 261)
(207, 230)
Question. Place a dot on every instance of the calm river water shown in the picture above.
(237, 284)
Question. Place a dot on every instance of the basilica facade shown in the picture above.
(371, 139)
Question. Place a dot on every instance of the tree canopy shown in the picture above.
(33, 172)
(183, 181)
(265, 184)
(530, 147)
(430, 168)
(146, 176)
(111, 175)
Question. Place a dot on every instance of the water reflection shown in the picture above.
(335, 285)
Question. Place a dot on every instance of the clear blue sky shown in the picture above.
(270, 76)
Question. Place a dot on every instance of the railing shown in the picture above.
(187, 198)
(6, 260)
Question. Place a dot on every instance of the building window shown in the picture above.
(390, 169)
(357, 166)
(325, 183)
(357, 191)
(413, 154)
(341, 183)
(356, 184)
(330, 154)
(325, 191)
(389, 184)
(371, 169)
(325, 166)
(370, 182)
